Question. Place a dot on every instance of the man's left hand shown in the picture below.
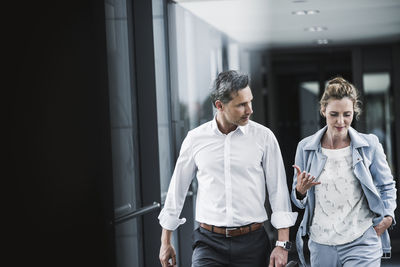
(278, 257)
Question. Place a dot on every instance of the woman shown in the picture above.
(345, 185)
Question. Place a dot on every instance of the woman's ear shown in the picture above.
(322, 111)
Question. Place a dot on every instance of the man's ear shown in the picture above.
(219, 105)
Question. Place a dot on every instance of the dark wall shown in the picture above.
(289, 69)
(60, 201)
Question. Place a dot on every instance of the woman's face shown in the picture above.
(339, 115)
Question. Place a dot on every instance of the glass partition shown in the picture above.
(123, 131)
(309, 108)
(163, 96)
(378, 109)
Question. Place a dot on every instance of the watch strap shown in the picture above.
(284, 244)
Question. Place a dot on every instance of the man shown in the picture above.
(235, 160)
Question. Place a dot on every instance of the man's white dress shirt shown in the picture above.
(232, 171)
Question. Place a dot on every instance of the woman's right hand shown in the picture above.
(304, 181)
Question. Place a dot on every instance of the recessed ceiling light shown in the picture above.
(312, 12)
(316, 29)
(323, 41)
(305, 12)
(301, 12)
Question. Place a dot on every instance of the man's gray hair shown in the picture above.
(226, 83)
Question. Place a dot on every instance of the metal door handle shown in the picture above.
(138, 212)
(123, 209)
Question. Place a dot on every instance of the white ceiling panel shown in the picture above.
(271, 23)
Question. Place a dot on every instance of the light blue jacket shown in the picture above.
(369, 166)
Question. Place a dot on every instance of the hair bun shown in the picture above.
(338, 80)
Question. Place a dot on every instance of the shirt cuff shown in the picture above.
(170, 222)
(283, 219)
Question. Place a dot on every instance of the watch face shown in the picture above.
(288, 245)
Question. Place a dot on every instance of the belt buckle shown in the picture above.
(229, 229)
(386, 255)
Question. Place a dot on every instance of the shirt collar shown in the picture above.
(214, 127)
(356, 139)
(243, 128)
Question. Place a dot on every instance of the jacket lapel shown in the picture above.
(360, 166)
(317, 162)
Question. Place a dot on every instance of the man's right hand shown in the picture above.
(167, 251)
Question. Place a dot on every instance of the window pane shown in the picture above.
(123, 131)
(378, 109)
(163, 97)
(309, 108)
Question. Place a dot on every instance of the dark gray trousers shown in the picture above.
(211, 249)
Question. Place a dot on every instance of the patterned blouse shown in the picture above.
(341, 210)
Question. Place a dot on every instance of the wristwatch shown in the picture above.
(284, 244)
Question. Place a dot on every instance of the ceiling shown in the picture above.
(272, 24)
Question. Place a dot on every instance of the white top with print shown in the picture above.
(341, 209)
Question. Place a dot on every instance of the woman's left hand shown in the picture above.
(383, 225)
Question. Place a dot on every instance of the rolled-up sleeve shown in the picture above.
(185, 170)
(275, 176)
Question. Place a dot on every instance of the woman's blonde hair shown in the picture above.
(339, 88)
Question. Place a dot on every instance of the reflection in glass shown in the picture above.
(378, 113)
(198, 61)
(199, 53)
(123, 130)
(163, 97)
(309, 108)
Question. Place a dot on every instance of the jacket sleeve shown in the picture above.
(299, 161)
(383, 179)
